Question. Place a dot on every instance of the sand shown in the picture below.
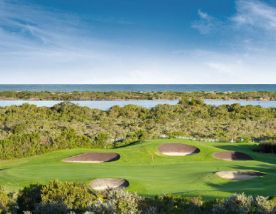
(101, 184)
(93, 157)
(239, 175)
(177, 149)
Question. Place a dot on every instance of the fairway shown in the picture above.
(149, 173)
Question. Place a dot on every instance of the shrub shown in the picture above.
(29, 197)
(119, 201)
(28, 130)
(4, 201)
(51, 208)
(176, 204)
(238, 203)
(101, 139)
(264, 205)
(195, 205)
(68, 197)
(76, 197)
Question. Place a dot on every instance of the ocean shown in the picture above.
(139, 88)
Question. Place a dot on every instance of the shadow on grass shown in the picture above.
(264, 185)
(129, 144)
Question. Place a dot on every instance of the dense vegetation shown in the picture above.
(28, 130)
(65, 197)
(115, 95)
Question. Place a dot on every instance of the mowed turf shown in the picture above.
(149, 173)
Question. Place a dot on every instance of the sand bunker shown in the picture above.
(177, 149)
(239, 175)
(93, 157)
(108, 183)
(232, 156)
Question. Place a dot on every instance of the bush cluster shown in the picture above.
(68, 197)
(29, 130)
(240, 203)
(123, 95)
(7, 202)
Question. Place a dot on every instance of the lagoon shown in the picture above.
(98, 104)
(264, 104)
(106, 104)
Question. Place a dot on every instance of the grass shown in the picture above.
(149, 173)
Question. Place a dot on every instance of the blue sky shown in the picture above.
(145, 41)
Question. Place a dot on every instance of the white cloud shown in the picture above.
(204, 15)
(206, 24)
(256, 14)
(219, 67)
(254, 22)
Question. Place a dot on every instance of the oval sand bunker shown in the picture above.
(177, 149)
(239, 175)
(232, 156)
(93, 157)
(108, 183)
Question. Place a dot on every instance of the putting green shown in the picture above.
(150, 173)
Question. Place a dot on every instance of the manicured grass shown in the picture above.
(149, 173)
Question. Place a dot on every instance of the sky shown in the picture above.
(137, 42)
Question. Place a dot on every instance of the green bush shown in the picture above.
(240, 203)
(119, 201)
(74, 196)
(29, 197)
(4, 201)
(264, 205)
(101, 139)
(51, 208)
(176, 204)
(68, 197)
(29, 130)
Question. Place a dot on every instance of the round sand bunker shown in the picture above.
(230, 156)
(93, 157)
(239, 175)
(177, 149)
(108, 183)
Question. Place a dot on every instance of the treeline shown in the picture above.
(66, 197)
(28, 130)
(124, 95)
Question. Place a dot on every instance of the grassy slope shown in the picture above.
(148, 172)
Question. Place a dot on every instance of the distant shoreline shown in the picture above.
(139, 87)
(126, 95)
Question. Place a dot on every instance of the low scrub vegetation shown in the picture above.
(7, 202)
(65, 197)
(124, 95)
(29, 130)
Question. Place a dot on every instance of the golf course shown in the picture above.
(149, 172)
